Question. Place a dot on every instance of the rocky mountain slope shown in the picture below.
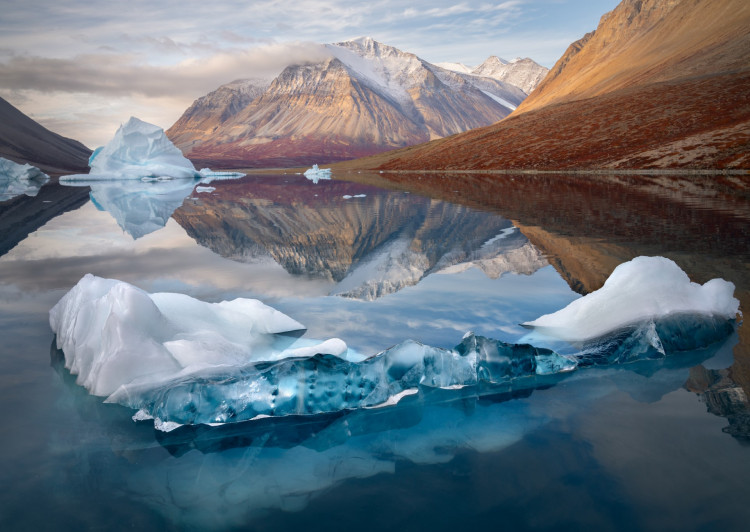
(658, 84)
(365, 98)
(23, 140)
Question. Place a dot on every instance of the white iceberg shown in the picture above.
(642, 290)
(140, 150)
(116, 336)
(315, 174)
(17, 179)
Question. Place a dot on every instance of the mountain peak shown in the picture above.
(523, 73)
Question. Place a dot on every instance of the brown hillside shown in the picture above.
(657, 85)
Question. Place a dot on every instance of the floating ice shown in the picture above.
(315, 174)
(116, 336)
(142, 150)
(646, 288)
(17, 179)
(157, 177)
(204, 189)
(181, 361)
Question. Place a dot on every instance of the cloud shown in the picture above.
(122, 74)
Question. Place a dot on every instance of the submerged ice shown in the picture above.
(181, 361)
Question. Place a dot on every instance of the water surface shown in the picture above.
(656, 445)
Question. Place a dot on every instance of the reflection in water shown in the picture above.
(22, 215)
(606, 449)
(722, 397)
(369, 246)
(247, 469)
(139, 207)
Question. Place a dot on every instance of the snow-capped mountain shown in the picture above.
(365, 98)
(525, 74)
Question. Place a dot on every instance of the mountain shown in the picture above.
(365, 98)
(23, 140)
(525, 74)
(658, 84)
(209, 112)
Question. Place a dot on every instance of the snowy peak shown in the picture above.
(523, 73)
(455, 67)
(365, 98)
(490, 66)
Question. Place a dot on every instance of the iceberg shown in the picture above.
(17, 179)
(180, 361)
(642, 289)
(315, 174)
(647, 308)
(140, 150)
(116, 336)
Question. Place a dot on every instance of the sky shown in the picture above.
(81, 68)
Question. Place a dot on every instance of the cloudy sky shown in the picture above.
(83, 67)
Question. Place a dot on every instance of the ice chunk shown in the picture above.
(17, 179)
(646, 288)
(114, 334)
(204, 189)
(209, 175)
(315, 174)
(139, 150)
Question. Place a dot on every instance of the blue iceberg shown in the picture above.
(180, 361)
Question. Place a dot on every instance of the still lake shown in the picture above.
(659, 445)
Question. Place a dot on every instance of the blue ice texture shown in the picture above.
(186, 362)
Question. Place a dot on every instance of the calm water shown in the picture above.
(653, 446)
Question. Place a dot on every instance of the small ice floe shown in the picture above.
(315, 174)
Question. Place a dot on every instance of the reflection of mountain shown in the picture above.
(23, 215)
(370, 246)
(587, 225)
(722, 398)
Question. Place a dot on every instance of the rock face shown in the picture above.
(24, 141)
(364, 99)
(658, 84)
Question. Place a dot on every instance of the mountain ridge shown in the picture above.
(366, 98)
(656, 85)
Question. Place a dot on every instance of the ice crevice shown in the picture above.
(178, 360)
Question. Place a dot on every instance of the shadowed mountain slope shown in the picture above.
(23, 140)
